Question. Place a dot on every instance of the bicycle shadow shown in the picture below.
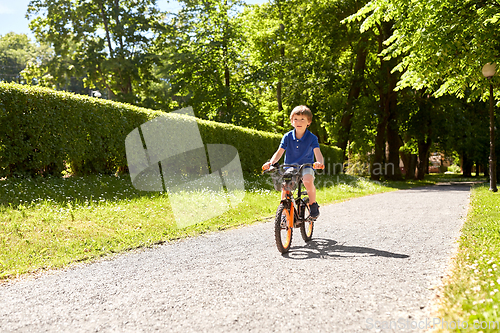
(326, 248)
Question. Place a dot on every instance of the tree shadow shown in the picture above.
(320, 248)
(95, 188)
(443, 187)
(60, 191)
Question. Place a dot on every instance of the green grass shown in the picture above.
(51, 222)
(471, 293)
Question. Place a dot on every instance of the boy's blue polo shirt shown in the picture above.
(299, 151)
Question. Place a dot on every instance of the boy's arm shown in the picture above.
(276, 157)
(319, 158)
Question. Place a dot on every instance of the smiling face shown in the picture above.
(300, 117)
(300, 122)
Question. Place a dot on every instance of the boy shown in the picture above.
(301, 147)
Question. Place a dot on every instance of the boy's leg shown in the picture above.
(308, 180)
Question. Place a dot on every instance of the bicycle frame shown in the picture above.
(291, 212)
(290, 201)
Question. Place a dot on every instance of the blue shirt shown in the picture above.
(299, 151)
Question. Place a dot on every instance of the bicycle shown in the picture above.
(292, 212)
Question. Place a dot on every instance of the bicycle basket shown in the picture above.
(277, 179)
(287, 180)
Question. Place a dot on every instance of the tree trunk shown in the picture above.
(354, 91)
(227, 80)
(423, 158)
(409, 161)
(392, 170)
(106, 29)
(387, 129)
(467, 165)
(412, 165)
(281, 121)
(377, 165)
(227, 83)
(279, 86)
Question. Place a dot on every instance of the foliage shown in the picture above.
(320, 59)
(297, 44)
(43, 130)
(472, 291)
(454, 169)
(443, 44)
(16, 51)
(468, 134)
(439, 47)
(250, 65)
(105, 43)
(303, 45)
(203, 63)
(263, 40)
(52, 222)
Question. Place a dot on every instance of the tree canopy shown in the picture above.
(16, 51)
(105, 42)
(442, 44)
(387, 80)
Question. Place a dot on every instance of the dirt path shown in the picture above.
(372, 261)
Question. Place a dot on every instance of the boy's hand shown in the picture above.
(266, 166)
(318, 165)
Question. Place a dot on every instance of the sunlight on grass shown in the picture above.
(51, 222)
(472, 293)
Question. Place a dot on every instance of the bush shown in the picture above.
(454, 169)
(42, 131)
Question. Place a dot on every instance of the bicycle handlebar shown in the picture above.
(280, 167)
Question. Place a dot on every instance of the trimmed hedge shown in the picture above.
(42, 131)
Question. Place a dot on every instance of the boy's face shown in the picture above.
(300, 122)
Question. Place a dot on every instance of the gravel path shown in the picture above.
(372, 259)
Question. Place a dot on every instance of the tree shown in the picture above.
(203, 61)
(16, 50)
(324, 62)
(443, 44)
(467, 137)
(440, 45)
(264, 48)
(107, 42)
(388, 126)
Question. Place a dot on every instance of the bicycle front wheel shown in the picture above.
(306, 228)
(282, 229)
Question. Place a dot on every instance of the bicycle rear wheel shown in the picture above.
(282, 229)
(307, 227)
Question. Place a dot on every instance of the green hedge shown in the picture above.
(42, 131)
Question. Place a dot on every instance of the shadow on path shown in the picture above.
(327, 248)
(441, 187)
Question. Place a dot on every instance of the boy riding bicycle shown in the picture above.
(301, 146)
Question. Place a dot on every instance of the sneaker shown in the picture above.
(314, 210)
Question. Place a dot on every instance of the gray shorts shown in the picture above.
(308, 171)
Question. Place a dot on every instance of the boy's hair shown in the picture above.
(301, 110)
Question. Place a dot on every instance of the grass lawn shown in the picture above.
(471, 294)
(51, 222)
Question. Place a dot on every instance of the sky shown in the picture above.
(12, 14)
